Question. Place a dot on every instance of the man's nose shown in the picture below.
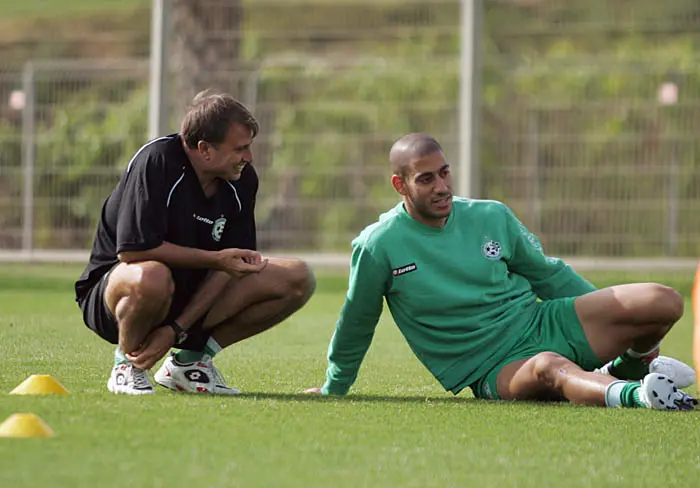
(440, 185)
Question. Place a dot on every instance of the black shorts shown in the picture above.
(100, 320)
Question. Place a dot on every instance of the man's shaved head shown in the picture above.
(410, 146)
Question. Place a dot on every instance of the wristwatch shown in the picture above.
(180, 333)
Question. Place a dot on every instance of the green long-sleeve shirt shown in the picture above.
(461, 295)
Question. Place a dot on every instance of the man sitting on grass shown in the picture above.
(462, 279)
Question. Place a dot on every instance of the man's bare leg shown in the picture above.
(633, 316)
(246, 307)
(257, 302)
(625, 325)
(550, 376)
(139, 296)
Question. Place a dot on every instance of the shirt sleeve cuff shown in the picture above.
(332, 388)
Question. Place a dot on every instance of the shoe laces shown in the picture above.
(683, 401)
(140, 378)
(218, 377)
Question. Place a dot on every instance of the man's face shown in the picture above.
(427, 189)
(228, 159)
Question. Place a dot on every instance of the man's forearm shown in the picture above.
(204, 298)
(174, 255)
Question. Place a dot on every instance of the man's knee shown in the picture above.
(668, 299)
(156, 282)
(661, 302)
(146, 282)
(550, 369)
(301, 282)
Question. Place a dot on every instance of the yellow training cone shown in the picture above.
(39, 384)
(24, 425)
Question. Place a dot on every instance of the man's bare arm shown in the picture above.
(236, 262)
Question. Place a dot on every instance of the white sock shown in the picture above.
(604, 369)
(212, 347)
(632, 353)
(613, 392)
(120, 357)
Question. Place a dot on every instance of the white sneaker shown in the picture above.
(659, 392)
(199, 377)
(127, 379)
(681, 374)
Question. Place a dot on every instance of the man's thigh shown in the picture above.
(556, 329)
(99, 306)
(612, 318)
(269, 284)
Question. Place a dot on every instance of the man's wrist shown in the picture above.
(179, 332)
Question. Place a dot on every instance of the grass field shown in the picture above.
(398, 428)
(64, 8)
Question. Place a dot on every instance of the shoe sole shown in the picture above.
(113, 389)
(659, 391)
(168, 382)
(171, 385)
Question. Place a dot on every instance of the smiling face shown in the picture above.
(217, 132)
(426, 187)
(227, 159)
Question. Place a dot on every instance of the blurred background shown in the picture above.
(582, 115)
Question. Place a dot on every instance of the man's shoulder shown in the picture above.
(478, 205)
(479, 209)
(381, 230)
(159, 151)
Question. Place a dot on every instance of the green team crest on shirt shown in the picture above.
(218, 230)
(491, 249)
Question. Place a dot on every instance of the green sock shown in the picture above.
(212, 348)
(629, 396)
(185, 357)
(631, 365)
(119, 357)
(623, 394)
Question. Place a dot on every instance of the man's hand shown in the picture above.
(156, 345)
(240, 262)
(313, 391)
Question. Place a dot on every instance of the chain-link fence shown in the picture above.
(589, 111)
(68, 128)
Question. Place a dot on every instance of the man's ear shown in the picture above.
(204, 149)
(399, 184)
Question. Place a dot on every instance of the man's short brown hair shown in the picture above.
(209, 117)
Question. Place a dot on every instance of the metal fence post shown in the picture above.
(28, 156)
(470, 98)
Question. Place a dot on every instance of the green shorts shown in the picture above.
(556, 328)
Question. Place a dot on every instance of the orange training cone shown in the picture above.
(40, 384)
(24, 425)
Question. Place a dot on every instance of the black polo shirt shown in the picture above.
(159, 198)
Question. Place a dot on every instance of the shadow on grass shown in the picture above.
(304, 397)
(295, 397)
